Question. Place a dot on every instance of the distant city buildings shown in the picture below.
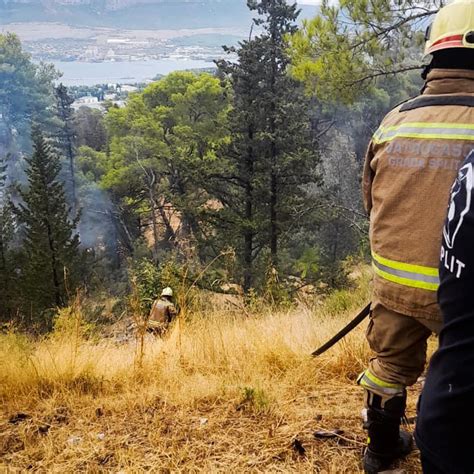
(127, 88)
(121, 48)
(100, 96)
(87, 101)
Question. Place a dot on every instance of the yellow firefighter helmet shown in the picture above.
(453, 27)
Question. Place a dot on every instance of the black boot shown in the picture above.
(387, 442)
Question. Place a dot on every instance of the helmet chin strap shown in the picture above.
(426, 69)
(424, 74)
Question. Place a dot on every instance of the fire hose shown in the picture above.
(343, 332)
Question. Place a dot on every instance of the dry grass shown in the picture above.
(223, 392)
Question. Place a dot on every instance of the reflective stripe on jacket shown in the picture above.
(414, 276)
(410, 166)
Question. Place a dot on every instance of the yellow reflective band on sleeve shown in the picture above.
(407, 267)
(425, 130)
(406, 281)
(406, 274)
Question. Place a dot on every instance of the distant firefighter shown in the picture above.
(162, 313)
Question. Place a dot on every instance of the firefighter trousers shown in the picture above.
(399, 343)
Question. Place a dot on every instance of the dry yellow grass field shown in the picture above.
(223, 392)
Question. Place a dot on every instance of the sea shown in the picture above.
(84, 73)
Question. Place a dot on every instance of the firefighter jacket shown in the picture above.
(411, 164)
(162, 312)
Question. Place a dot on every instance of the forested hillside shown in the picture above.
(249, 177)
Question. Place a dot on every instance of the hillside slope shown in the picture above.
(222, 393)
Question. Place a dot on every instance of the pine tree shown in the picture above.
(271, 155)
(67, 135)
(6, 238)
(349, 46)
(51, 245)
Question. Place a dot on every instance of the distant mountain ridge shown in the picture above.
(133, 14)
(106, 5)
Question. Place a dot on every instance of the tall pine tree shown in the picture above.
(67, 136)
(51, 245)
(272, 155)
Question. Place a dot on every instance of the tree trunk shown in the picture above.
(127, 239)
(154, 222)
(248, 232)
(274, 220)
(72, 170)
(170, 235)
(274, 159)
(54, 269)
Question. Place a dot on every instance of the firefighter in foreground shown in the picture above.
(411, 164)
(162, 313)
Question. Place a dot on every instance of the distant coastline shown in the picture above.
(130, 45)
